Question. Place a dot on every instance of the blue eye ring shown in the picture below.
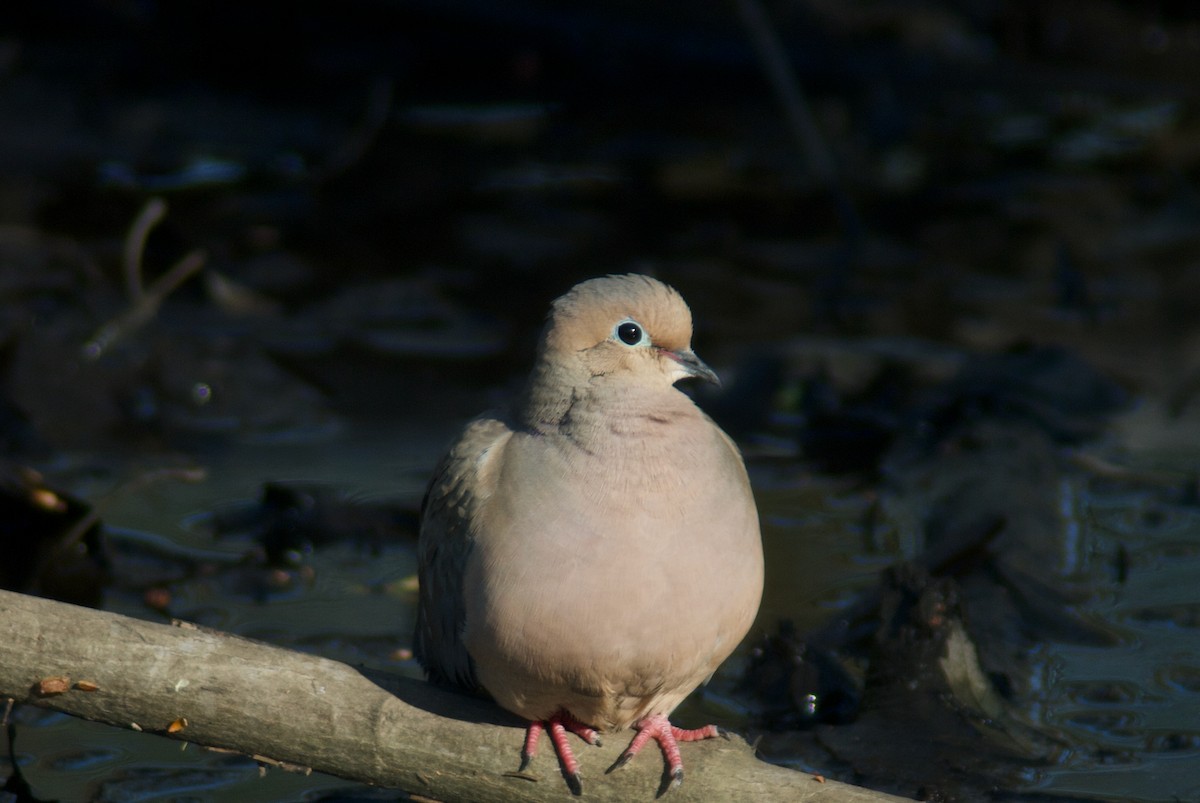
(630, 333)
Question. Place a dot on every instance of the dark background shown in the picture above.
(387, 195)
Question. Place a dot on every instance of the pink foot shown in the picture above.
(660, 729)
(558, 725)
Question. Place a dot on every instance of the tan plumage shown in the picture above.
(596, 550)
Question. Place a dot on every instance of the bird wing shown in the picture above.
(450, 513)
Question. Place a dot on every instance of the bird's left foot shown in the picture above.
(660, 729)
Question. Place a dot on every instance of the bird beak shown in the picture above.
(693, 366)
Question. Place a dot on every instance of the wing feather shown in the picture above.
(461, 485)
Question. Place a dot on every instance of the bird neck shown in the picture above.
(555, 402)
(549, 398)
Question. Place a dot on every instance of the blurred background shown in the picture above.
(259, 263)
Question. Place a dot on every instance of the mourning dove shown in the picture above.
(591, 557)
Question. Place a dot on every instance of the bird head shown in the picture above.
(623, 328)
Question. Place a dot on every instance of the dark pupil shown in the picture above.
(630, 333)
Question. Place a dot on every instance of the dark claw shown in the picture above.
(597, 741)
(620, 762)
(573, 783)
(670, 781)
(525, 759)
(724, 734)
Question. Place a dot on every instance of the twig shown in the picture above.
(379, 104)
(799, 115)
(150, 216)
(144, 308)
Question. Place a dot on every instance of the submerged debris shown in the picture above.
(292, 519)
(52, 545)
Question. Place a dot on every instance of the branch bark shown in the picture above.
(304, 710)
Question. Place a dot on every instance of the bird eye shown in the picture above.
(630, 333)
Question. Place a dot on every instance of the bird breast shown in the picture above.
(627, 560)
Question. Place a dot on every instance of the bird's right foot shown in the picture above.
(558, 725)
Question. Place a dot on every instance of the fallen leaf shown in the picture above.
(47, 500)
(53, 685)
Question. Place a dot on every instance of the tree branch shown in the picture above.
(276, 704)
